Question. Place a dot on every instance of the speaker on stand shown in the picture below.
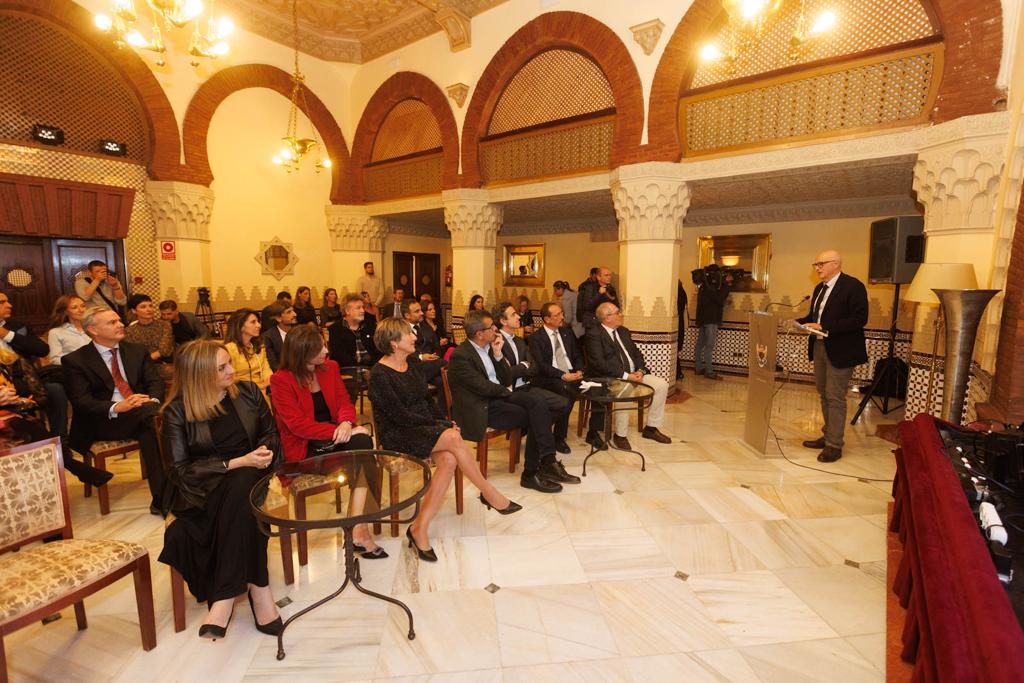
(895, 251)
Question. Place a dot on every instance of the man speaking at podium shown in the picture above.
(839, 308)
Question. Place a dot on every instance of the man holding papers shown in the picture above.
(839, 308)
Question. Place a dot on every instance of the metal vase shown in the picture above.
(962, 309)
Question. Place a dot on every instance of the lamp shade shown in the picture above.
(940, 276)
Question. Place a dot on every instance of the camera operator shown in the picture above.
(713, 289)
(100, 288)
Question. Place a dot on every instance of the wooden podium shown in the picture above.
(761, 361)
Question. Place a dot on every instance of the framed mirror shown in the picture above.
(748, 256)
(523, 265)
(277, 258)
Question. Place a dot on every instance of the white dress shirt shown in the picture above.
(555, 339)
(509, 342)
(616, 339)
(829, 286)
(63, 340)
(485, 356)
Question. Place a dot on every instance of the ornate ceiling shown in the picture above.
(353, 30)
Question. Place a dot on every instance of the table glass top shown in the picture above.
(614, 390)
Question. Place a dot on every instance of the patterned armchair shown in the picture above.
(44, 579)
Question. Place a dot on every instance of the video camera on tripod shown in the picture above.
(713, 276)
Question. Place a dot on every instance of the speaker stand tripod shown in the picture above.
(888, 368)
(204, 314)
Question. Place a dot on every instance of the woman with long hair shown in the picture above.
(476, 303)
(304, 311)
(315, 415)
(218, 441)
(65, 333)
(434, 340)
(330, 311)
(244, 345)
(410, 422)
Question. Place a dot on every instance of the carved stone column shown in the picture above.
(474, 224)
(651, 200)
(181, 213)
(356, 237)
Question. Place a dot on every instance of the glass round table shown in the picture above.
(340, 491)
(614, 395)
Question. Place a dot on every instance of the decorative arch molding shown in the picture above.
(75, 21)
(405, 85)
(569, 30)
(972, 33)
(228, 81)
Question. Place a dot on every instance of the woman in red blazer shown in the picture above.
(315, 416)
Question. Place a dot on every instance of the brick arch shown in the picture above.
(569, 30)
(218, 87)
(405, 85)
(973, 35)
(75, 21)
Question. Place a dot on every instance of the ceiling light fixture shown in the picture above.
(48, 135)
(204, 44)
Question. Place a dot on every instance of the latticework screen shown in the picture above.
(408, 128)
(554, 85)
(45, 77)
(557, 151)
(870, 93)
(861, 25)
(421, 175)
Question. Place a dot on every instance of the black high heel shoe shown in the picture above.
(213, 632)
(272, 628)
(377, 553)
(507, 510)
(427, 555)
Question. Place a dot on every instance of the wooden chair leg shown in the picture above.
(144, 601)
(104, 495)
(394, 494)
(337, 500)
(481, 455)
(584, 416)
(3, 660)
(458, 492)
(300, 513)
(286, 557)
(178, 600)
(87, 488)
(80, 619)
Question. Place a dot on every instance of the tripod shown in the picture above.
(888, 369)
(204, 312)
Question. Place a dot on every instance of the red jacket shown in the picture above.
(293, 408)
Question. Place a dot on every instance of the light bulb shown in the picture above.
(710, 53)
(286, 153)
(278, 161)
(193, 8)
(326, 163)
(103, 22)
(825, 22)
(135, 39)
(220, 49)
(750, 9)
(225, 27)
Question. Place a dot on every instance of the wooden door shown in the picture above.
(26, 277)
(403, 267)
(428, 276)
(71, 257)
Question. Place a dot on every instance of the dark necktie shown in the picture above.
(816, 313)
(119, 380)
(511, 343)
(622, 352)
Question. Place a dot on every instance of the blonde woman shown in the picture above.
(243, 343)
(219, 439)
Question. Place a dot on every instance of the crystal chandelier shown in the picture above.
(208, 43)
(294, 148)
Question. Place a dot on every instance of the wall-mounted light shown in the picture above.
(730, 261)
(48, 135)
(114, 148)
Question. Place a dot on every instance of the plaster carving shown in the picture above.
(803, 211)
(650, 201)
(458, 92)
(456, 26)
(559, 227)
(472, 220)
(958, 187)
(647, 34)
(180, 210)
(398, 227)
(353, 229)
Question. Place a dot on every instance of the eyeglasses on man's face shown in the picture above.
(822, 264)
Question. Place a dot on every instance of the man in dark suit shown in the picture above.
(559, 365)
(281, 319)
(19, 336)
(430, 362)
(393, 309)
(524, 370)
(479, 379)
(592, 294)
(612, 353)
(350, 340)
(116, 391)
(839, 307)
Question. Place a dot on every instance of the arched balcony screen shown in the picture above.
(406, 159)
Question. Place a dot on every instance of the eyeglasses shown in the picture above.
(822, 264)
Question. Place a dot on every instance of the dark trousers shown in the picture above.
(832, 384)
(57, 408)
(529, 412)
(561, 425)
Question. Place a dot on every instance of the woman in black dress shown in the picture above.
(219, 439)
(330, 310)
(304, 311)
(433, 341)
(410, 422)
(476, 303)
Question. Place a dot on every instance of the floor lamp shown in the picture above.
(938, 276)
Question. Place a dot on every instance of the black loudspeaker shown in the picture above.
(896, 249)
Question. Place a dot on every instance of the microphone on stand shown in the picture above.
(779, 303)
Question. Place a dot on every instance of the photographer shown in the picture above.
(100, 287)
(713, 289)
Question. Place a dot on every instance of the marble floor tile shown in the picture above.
(632, 478)
(484, 676)
(595, 511)
(620, 554)
(880, 520)
(703, 549)
(538, 516)
(548, 624)
(858, 497)
(666, 508)
(729, 663)
(876, 570)
(680, 667)
(800, 500)
(850, 601)
(784, 543)
(871, 647)
(734, 504)
(462, 564)
(753, 608)
(697, 475)
(811, 662)
(534, 560)
(852, 537)
(604, 671)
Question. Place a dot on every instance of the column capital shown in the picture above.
(472, 220)
(651, 200)
(180, 210)
(352, 228)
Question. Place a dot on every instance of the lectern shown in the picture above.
(764, 342)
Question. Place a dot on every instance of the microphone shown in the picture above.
(779, 303)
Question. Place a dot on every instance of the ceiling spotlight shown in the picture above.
(48, 135)
(114, 148)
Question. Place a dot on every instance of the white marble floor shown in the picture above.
(716, 564)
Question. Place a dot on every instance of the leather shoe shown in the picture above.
(655, 434)
(538, 483)
(830, 454)
(595, 440)
(555, 472)
(562, 447)
(621, 442)
(815, 443)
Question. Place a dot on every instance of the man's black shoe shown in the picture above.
(815, 443)
(555, 472)
(154, 509)
(562, 447)
(830, 454)
(595, 440)
(87, 474)
(538, 483)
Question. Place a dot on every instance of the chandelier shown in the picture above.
(745, 27)
(294, 148)
(205, 43)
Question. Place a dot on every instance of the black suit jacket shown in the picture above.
(590, 297)
(472, 390)
(603, 358)
(273, 343)
(516, 356)
(25, 342)
(844, 318)
(548, 376)
(341, 342)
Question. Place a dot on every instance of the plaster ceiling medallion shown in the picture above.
(458, 93)
(647, 34)
(357, 31)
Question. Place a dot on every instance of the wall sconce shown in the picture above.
(114, 148)
(48, 135)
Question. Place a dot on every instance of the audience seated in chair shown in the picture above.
(305, 313)
(283, 299)
(426, 354)
(184, 326)
(437, 340)
(278, 320)
(410, 422)
(64, 335)
(151, 332)
(330, 310)
(245, 346)
(219, 439)
(116, 391)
